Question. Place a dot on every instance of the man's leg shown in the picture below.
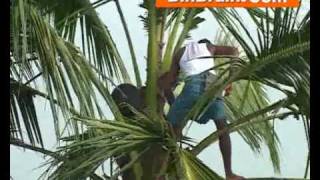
(183, 103)
(225, 148)
(180, 108)
(216, 112)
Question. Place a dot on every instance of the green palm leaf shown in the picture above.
(96, 40)
(22, 102)
(111, 139)
(65, 71)
(195, 169)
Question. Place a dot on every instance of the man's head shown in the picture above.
(127, 94)
(204, 41)
(208, 43)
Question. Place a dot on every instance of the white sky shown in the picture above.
(24, 164)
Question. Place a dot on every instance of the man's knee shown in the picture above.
(220, 123)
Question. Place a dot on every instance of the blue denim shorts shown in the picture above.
(194, 87)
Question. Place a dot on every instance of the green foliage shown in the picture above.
(21, 100)
(194, 169)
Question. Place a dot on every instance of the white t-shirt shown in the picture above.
(192, 63)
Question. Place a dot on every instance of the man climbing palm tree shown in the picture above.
(195, 61)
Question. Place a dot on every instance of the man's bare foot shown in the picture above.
(234, 177)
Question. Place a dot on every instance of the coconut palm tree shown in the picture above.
(77, 80)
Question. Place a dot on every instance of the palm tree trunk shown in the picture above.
(152, 63)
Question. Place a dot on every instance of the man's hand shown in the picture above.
(166, 83)
(228, 90)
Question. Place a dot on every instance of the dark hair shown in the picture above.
(204, 41)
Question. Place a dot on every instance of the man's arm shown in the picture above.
(165, 83)
(226, 50)
(170, 77)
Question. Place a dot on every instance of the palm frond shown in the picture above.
(194, 169)
(122, 138)
(21, 144)
(267, 52)
(276, 30)
(22, 108)
(159, 13)
(247, 97)
(243, 73)
(65, 72)
(190, 21)
(130, 44)
(171, 41)
(97, 42)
